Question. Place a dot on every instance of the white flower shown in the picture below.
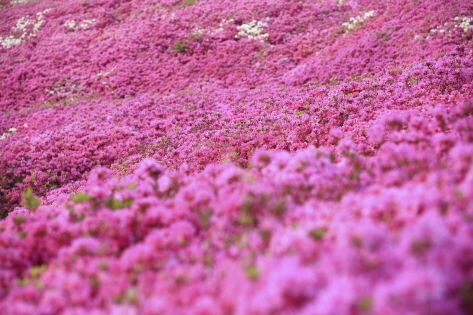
(19, 1)
(198, 32)
(86, 23)
(465, 23)
(357, 21)
(221, 25)
(253, 30)
(70, 24)
(8, 133)
(24, 28)
(462, 22)
(73, 26)
(106, 73)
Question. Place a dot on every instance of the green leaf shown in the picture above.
(22, 282)
(466, 293)
(318, 234)
(204, 218)
(179, 47)
(115, 204)
(38, 270)
(30, 202)
(365, 303)
(19, 220)
(80, 197)
(252, 272)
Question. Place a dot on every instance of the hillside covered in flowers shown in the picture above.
(236, 157)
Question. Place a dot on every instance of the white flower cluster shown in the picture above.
(60, 88)
(73, 26)
(253, 30)
(19, 1)
(439, 29)
(24, 28)
(171, 17)
(198, 32)
(465, 23)
(357, 21)
(8, 133)
(221, 25)
(106, 73)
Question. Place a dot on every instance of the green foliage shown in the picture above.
(110, 202)
(421, 246)
(19, 220)
(179, 47)
(131, 296)
(466, 294)
(333, 80)
(94, 281)
(440, 55)
(394, 71)
(204, 218)
(80, 197)
(38, 270)
(246, 216)
(252, 272)
(34, 274)
(246, 219)
(30, 202)
(22, 282)
(318, 234)
(279, 208)
(115, 204)
(383, 36)
(188, 3)
(365, 304)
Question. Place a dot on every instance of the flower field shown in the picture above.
(236, 157)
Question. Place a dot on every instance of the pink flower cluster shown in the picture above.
(214, 126)
(315, 232)
(117, 49)
(248, 157)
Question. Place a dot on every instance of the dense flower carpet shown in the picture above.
(236, 157)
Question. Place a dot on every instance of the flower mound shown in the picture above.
(248, 157)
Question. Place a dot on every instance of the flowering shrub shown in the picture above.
(221, 157)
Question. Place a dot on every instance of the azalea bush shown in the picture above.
(236, 157)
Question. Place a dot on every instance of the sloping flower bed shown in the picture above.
(247, 157)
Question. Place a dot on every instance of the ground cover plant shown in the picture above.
(236, 157)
